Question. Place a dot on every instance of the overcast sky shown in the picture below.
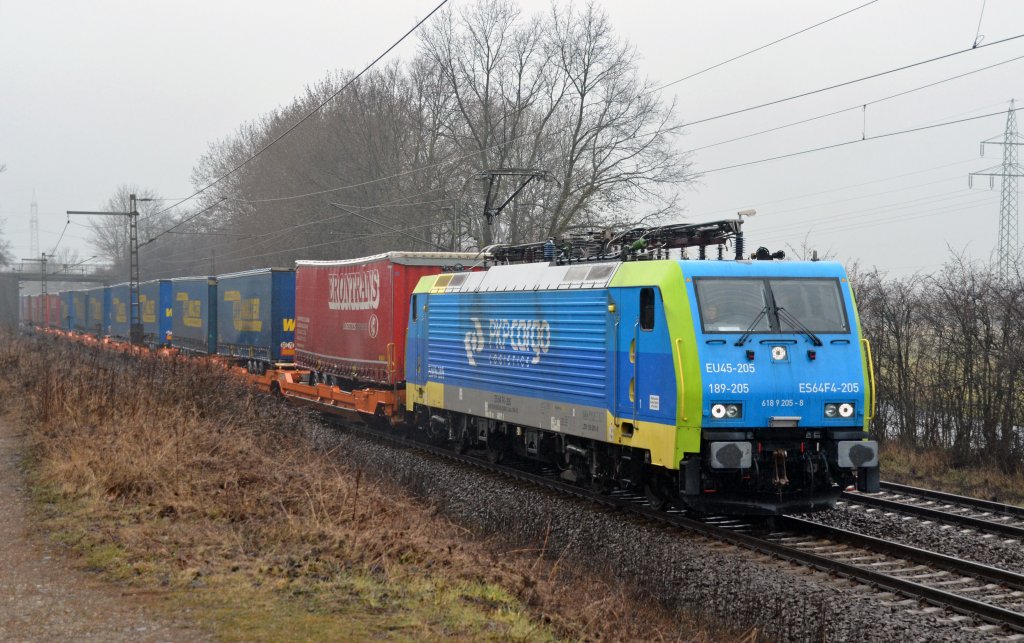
(96, 94)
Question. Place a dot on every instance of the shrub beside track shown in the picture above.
(165, 473)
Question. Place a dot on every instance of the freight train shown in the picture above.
(740, 387)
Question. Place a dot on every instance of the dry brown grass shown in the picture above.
(168, 473)
(936, 469)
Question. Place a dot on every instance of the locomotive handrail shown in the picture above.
(679, 369)
(636, 370)
(871, 376)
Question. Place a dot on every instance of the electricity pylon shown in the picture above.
(1008, 248)
(33, 246)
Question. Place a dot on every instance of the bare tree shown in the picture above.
(5, 246)
(562, 94)
(948, 350)
(6, 258)
(110, 234)
(388, 163)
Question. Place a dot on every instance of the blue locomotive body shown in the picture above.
(736, 386)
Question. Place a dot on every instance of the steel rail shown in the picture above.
(940, 515)
(939, 597)
(976, 503)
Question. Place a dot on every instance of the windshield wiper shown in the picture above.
(750, 329)
(780, 311)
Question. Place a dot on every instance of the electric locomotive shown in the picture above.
(738, 387)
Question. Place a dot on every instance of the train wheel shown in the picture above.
(495, 447)
(658, 492)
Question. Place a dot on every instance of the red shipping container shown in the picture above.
(351, 316)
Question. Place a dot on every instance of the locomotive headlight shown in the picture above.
(779, 353)
(846, 410)
(718, 411)
(831, 410)
(733, 411)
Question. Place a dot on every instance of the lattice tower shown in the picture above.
(1008, 241)
(34, 227)
(1008, 246)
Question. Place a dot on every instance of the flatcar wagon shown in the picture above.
(738, 387)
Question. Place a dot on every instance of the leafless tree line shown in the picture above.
(389, 163)
(949, 355)
(5, 246)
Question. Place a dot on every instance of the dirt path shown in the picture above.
(42, 598)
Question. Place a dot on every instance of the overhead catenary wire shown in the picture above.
(395, 203)
(889, 219)
(802, 152)
(747, 109)
(854, 107)
(61, 237)
(260, 240)
(532, 133)
(354, 237)
(733, 209)
(880, 210)
(674, 82)
(310, 114)
(854, 141)
(850, 82)
(762, 47)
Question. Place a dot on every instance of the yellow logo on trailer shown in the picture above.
(148, 307)
(289, 325)
(245, 313)
(191, 310)
(120, 311)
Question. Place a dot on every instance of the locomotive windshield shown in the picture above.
(816, 303)
(732, 305)
(770, 305)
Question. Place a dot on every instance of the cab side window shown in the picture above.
(647, 309)
(415, 307)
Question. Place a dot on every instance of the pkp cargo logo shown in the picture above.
(354, 290)
(510, 339)
(474, 341)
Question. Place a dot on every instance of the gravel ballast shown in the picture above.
(722, 584)
(966, 544)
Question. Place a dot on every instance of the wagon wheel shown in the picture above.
(600, 485)
(462, 439)
(495, 447)
(657, 496)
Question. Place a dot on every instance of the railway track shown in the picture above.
(972, 590)
(960, 511)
